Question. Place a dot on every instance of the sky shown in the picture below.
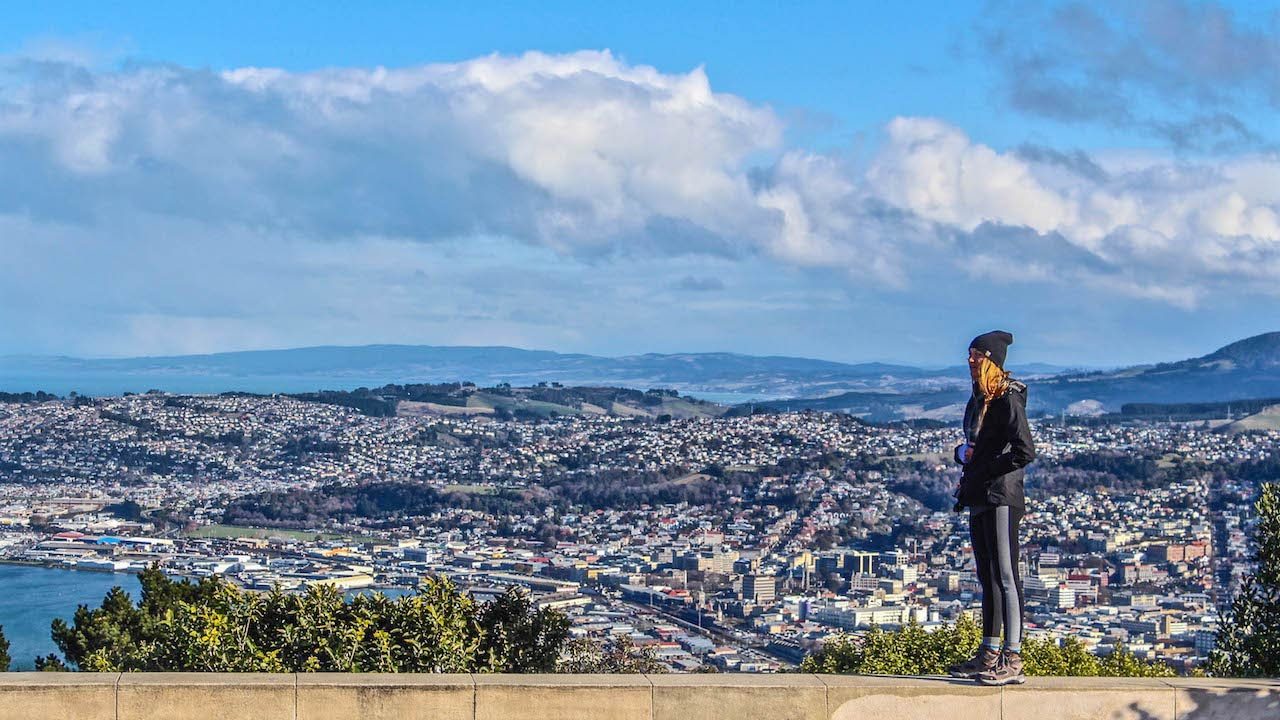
(847, 181)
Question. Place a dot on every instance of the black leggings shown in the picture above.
(995, 549)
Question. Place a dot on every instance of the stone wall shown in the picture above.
(183, 696)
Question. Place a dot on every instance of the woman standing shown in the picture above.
(997, 447)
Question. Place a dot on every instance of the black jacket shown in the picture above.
(1001, 449)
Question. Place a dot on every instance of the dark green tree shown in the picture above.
(4, 651)
(518, 637)
(213, 626)
(1248, 641)
(118, 633)
(51, 663)
(126, 510)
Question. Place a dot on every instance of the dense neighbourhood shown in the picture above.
(738, 543)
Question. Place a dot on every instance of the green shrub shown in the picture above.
(912, 650)
(212, 626)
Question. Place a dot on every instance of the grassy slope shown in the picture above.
(484, 403)
(1267, 419)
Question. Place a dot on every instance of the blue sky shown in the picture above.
(852, 181)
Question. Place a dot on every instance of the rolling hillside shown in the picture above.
(522, 403)
(1243, 370)
(1247, 369)
(346, 368)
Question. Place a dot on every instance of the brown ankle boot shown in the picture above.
(1008, 671)
(984, 660)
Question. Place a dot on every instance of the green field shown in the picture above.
(928, 457)
(545, 409)
(481, 402)
(682, 408)
(471, 489)
(1266, 419)
(230, 532)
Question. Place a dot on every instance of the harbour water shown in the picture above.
(31, 597)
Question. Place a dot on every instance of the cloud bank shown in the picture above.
(157, 192)
(1191, 73)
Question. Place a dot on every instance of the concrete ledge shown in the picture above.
(385, 696)
(58, 696)
(186, 696)
(851, 697)
(750, 696)
(194, 696)
(564, 697)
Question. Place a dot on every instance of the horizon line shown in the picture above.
(299, 348)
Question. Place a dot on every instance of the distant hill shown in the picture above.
(1245, 370)
(515, 403)
(1260, 352)
(876, 406)
(718, 376)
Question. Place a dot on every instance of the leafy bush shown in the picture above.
(212, 626)
(912, 650)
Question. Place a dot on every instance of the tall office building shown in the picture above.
(760, 589)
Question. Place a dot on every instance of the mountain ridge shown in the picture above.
(1243, 369)
(347, 367)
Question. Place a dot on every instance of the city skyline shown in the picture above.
(824, 181)
(757, 537)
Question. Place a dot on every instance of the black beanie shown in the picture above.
(995, 344)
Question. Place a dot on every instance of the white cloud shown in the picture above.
(129, 181)
(1158, 229)
(569, 151)
(934, 170)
